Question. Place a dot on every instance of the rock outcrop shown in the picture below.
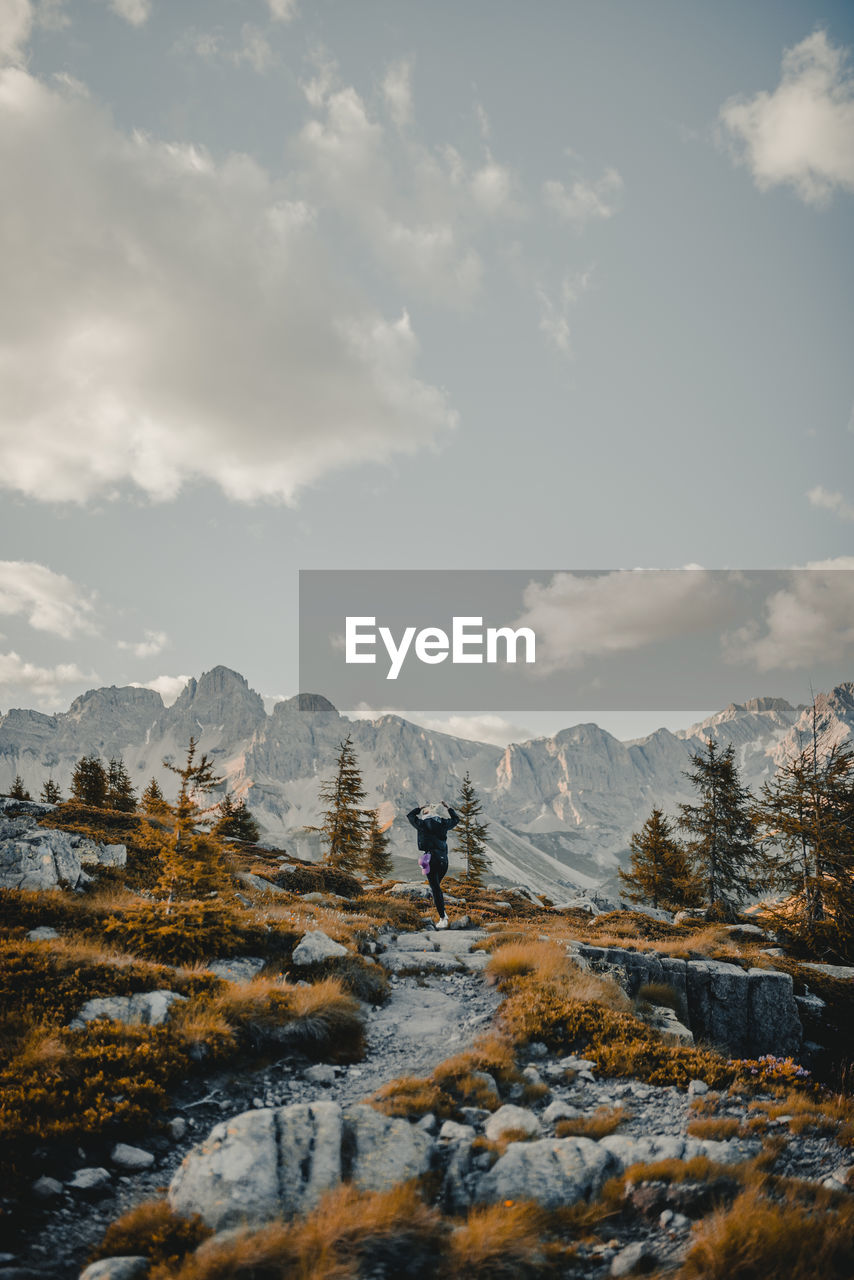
(34, 857)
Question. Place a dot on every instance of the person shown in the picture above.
(433, 840)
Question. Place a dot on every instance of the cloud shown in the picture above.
(809, 621)
(19, 678)
(477, 728)
(255, 49)
(555, 308)
(166, 318)
(155, 642)
(397, 90)
(16, 23)
(49, 601)
(136, 12)
(283, 10)
(169, 687)
(802, 133)
(578, 617)
(828, 500)
(584, 202)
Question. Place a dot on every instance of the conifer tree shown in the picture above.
(722, 843)
(470, 835)
(51, 793)
(153, 800)
(660, 873)
(344, 822)
(18, 791)
(377, 862)
(192, 860)
(89, 782)
(235, 822)
(121, 795)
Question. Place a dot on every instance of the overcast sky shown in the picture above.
(316, 284)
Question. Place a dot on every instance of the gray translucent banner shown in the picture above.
(574, 640)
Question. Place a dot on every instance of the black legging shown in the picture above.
(438, 870)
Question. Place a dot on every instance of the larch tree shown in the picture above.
(51, 793)
(153, 801)
(192, 859)
(121, 795)
(344, 821)
(721, 833)
(377, 862)
(660, 873)
(89, 782)
(235, 822)
(18, 791)
(470, 834)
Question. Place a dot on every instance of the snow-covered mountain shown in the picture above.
(561, 809)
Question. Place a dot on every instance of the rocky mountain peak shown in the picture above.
(313, 702)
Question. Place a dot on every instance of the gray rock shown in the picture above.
(90, 1182)
(745, 933)
(428, 1123)
(451, 1131)
(475, 1115)
(551, 1172)
(508, 1119)
(44, 933)
(559, 1111)
(384, 1150)
(238, 968)
(145, 1008)
(131, 1157)
(664, 1019)
(177, 1127)
(635, 1259)
(418, 941)
(424, 961)
(696, 1088)
(258, 883)
(128, 1267)
(47, 1188)
(34, 857)
(773, 1024)
(321, 1073)
(315, 947)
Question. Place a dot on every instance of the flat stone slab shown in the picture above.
(401, 961)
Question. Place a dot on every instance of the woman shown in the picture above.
(433, 831)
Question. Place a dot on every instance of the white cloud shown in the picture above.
(254, 49)
(584, 202)
(831, 500)
(49, 601)
(283, 10)
(555, 309)
(802, 133)
(155, 642)
(22, 679)
(169, 687)
(16, 23)
(167, 317)
(397, 90)
(136, 12)
(811, 620)
(578, 617)
(477, 728)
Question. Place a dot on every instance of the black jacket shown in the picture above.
(433, 832)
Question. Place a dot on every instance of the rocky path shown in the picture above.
(438, 1005)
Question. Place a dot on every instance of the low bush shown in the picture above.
(152, 1230)
(362, 978)
(314, 878)
(177, 933)
(598, 1124)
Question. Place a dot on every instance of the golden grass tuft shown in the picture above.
(545, 960)
(152, 1230)
(501, 1242)
(598, 1124)
(756, 1238)
(413, 1097)
(716, 1127)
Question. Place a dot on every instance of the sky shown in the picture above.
(403, 285)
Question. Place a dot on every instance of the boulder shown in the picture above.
(90, 1182)
(238, 968)
(258, 883)
(34, 857)
(384, 1150)
(144, 1008)
(127, 1267)
(552, 1172)
(773, 1024)
(131, 1157)
(44, 933)
(512, 1119)
(315, 947)
(634, 1259)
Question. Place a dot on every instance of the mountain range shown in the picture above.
(561, 809)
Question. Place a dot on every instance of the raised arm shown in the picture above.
(452, 818)
(414, 818)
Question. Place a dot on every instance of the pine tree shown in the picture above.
(235, 822)
(153, 800)
(18, 791)
(51, 793)
(807, 813)
(89, 782)
(470, 835)
(344, 822)
(121, 795)
(192, 860)
(377, 863)
(660, 872)
(722, 846)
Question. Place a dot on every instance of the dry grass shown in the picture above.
(350, 1234)
(717, 1127)
(154, 1231)
(599, 1124)
(413, 1097)
(502, 1242)
(756, 1238)
(546, 960)
(659, 994)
